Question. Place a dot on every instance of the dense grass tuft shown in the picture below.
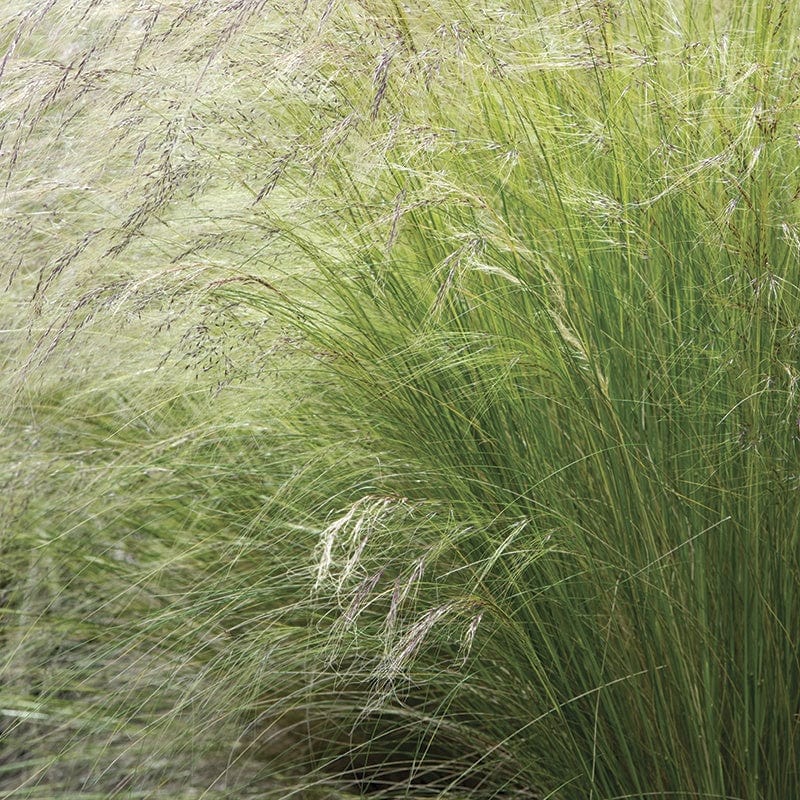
(400, 401)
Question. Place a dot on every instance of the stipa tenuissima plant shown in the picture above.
(497, 496)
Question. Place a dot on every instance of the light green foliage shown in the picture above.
(400, 400)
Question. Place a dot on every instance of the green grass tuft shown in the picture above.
(400, 400)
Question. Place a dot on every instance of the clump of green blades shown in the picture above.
(400, 400)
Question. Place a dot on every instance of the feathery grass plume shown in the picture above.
(399, 400)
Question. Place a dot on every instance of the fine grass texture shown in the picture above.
(400, 401)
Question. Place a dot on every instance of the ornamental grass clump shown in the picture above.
(443, 441)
